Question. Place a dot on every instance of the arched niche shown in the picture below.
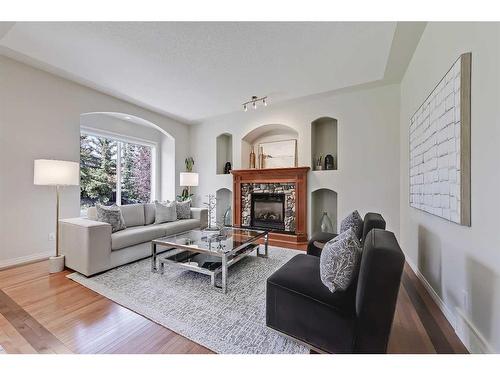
(224, 198)
(324, 141)
(323, 200)
(261, 134)
(224, 150)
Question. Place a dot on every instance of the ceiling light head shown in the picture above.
(253, 101)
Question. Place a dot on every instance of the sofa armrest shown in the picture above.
(86, 245)
(200, 214)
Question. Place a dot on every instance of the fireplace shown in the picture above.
(283, 186)
(268, 211)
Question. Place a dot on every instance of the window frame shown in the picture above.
(120, 139)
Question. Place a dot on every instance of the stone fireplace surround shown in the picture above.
(290, 181)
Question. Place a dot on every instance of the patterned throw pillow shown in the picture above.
(184, 210)
(338, 261)
(354, 221)
(165, 212)
(111, 215)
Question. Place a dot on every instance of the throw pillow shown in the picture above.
(165, 212)
(111, 215)
(339, 260)
(184, 210)
(354, 221)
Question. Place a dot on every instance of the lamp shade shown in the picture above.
(188, 179)
(56, 172)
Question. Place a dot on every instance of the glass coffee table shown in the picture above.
(208, 252)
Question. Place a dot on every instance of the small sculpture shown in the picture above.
(211, 205)
(329, 162)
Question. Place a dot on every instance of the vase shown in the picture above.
(326, 223)
(252, 159)
(227, 217)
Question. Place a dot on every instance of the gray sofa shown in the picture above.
(90, 247)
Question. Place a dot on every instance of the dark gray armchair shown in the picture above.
(357, 320)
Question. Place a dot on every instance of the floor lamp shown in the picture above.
(56, 173)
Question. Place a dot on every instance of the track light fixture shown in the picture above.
(255, 99)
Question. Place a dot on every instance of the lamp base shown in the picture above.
(56, 264)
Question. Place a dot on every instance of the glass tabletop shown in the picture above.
(226, 240)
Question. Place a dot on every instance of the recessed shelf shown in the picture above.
(324, 141)
(262, 134)
(224, 150)
(323, 200)
(224, 198)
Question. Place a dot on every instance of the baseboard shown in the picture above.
(466, 331)
(473, 340)
(8, 263)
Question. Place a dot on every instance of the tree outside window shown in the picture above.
(99, 159)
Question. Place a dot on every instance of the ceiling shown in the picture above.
(194, 70)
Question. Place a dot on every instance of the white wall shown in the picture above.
(40, 118)
(368, 133)
(459, 261)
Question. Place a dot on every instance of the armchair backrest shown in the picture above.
(382, 263)
(372, 220)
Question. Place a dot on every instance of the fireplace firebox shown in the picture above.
(268, 211)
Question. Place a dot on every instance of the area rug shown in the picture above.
(184, 302)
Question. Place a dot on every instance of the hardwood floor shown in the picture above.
(42, 313)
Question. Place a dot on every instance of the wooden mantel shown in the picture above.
(297, 175)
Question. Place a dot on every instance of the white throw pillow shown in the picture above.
(339, 261)
(165, 212)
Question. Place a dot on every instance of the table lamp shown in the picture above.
(187, 179)
(56, 173)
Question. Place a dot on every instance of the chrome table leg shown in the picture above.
(153, 257)
(224, 274)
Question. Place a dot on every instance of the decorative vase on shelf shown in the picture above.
(326, 223)
(261, 158)
(252, 159)
(228, 217)
(329, 163)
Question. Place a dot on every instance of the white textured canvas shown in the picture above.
(434, 138)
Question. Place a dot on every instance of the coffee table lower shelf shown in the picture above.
(210, 263)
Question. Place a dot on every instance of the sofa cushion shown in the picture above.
(165, 212)
(354, 221)
(135, 235)
(149, 213)
(184, 209)
(111, 215)
(339, 261)
(179, 226)
(133, 214)
(299, 305)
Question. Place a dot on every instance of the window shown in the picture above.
(114, 171)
